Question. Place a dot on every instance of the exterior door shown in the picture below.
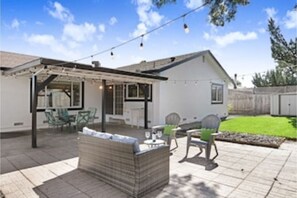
(114, 99)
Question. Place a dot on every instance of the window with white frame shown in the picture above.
(66, 94)
(134, 92)
(217, 93)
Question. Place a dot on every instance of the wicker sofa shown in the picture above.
(117, 164)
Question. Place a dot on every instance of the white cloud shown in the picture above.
(95, 48)
(147, 17)
(113, 20)
(38, 23)
(261, 30)
(51, 42)
(61, 13)
(15, 24)
(79, 33)
(270, 12)
(101, 28)
(192, 4)
(230, 38)
(290, 20)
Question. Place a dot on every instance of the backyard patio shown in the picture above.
(51, 169)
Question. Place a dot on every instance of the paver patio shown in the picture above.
(51, 169)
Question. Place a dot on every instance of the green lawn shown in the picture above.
(262, 125)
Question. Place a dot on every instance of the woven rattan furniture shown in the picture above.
(117, 164)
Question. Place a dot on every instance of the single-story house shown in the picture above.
(197, 85)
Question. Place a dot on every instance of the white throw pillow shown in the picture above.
(88, 131)
(128, 140)
(97, 134)
(102, 135)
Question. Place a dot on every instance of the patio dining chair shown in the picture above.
(82, 119)
(64, 115)
(52, 121)
(170, 128)
(93, 111)
(209, 130)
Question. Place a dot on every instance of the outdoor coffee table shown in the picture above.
(152, 143)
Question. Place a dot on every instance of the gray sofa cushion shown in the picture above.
(128, 140)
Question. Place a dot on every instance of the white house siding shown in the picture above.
(188, 91)
(15, 104)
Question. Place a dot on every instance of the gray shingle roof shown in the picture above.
(160, 63)
(11, 59)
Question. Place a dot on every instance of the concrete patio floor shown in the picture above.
(51, 169)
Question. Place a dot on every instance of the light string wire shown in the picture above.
(111, 49)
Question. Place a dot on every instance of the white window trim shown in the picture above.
(217, 101)
(72, 98)
(138, 88)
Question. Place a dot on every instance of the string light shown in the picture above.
(186, 28)
(111, 53)
(142, 35)
(141, 44)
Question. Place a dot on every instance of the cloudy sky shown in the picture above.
(73, 29)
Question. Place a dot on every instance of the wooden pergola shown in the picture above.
(46, 70)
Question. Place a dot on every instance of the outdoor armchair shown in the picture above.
(209, 130)
(170, 128)
(52, 121)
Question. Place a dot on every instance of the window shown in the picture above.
(135, 93)
(217, 94)
(65, 94)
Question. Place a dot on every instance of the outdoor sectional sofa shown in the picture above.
(117, 160)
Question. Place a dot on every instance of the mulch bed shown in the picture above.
(257, 140)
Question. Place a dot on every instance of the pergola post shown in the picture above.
(103, 106)
(34, 110)
(146, 105)
(35, 91)
(144, 88)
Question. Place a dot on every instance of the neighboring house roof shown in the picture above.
(10, 59)
(160, 65)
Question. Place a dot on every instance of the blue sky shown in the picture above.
(72, 29)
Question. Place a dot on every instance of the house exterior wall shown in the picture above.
(188, 91)
(15, 104)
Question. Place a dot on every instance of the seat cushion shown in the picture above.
(206, 133)
(168, 129)
(127, 140)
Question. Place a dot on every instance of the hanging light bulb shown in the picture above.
(141, 44)
(111, 52)
(186, 28)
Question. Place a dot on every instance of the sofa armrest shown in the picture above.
(152, 169)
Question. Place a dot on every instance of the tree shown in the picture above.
(283, 52)
(220, 10)
(273, 78)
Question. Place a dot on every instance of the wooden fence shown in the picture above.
(254, 101)
(245, 103)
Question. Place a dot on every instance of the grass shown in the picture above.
(262, 125)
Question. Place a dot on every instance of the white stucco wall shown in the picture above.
(188, 91)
